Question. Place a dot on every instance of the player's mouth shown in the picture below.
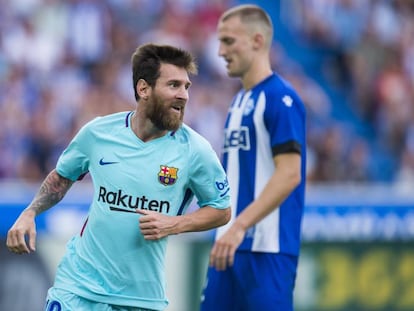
(228, 62)
(178, 108)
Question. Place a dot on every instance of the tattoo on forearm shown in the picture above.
(52, 190)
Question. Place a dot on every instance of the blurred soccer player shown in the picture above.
(146, 166)
(254, 259)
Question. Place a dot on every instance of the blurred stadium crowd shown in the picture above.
(63, 62)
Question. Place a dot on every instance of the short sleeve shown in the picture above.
(208, 178)
(73, 163)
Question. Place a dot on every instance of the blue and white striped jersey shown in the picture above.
(262, 122)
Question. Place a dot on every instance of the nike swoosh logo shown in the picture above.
(102, 162)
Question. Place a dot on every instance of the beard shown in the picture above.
(161, 116)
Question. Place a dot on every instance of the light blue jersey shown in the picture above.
(109, 261)
(262, 122)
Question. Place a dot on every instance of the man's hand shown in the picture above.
(16, 237)
(52, 190)
(222, 253)
(155, 225)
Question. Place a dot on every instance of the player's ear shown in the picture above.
(258, 41)
(142, 88)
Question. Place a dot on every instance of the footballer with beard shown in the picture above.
(146, 167)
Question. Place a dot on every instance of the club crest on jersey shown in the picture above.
(248, 107)
(167, 175)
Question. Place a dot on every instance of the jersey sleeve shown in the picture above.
(208, 179)
(285, 120)
(73, 163)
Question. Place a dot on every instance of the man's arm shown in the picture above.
(154, 225)
(52, 190)
(284, 180)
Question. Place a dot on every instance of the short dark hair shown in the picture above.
(147, 59)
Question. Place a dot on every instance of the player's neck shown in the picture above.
(256, 74)
(250, 81)
(144, 129)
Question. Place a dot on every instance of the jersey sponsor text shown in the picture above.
(237, 138)
(125, 202)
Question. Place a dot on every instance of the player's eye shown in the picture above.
(174, 84)
(227, 41)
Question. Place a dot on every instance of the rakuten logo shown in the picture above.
(120, 201)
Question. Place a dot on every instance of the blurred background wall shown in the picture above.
(64, 62)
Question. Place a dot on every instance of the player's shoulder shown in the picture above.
(194, 146)
(276, 85)
(108, 121)
(188, 135)
(110, 118)
(277, 88)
